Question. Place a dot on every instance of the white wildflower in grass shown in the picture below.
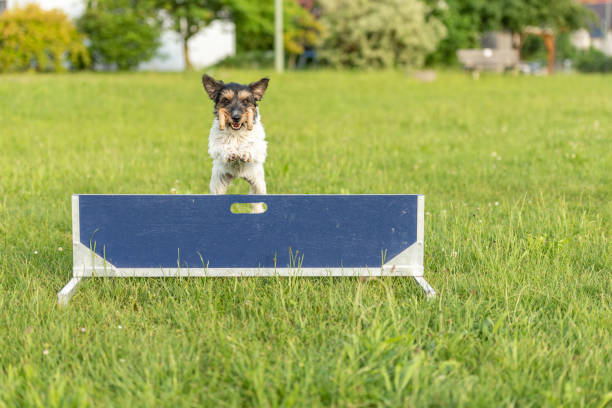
(173, 190)
(83, 330)
(120, 327)
(35, 252)
(493, 154)
(496, 203)
(60, 249)
(45, 352)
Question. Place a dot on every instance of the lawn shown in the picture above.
(517, 174)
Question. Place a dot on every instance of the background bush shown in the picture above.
(463, 21)
(32, 38)
(121, 33)
(593, 60)
(382, 34)
(249, 60)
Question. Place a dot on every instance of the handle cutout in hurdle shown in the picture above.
(247, 208)
(196, 235)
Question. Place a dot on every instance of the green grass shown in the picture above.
(517, 174)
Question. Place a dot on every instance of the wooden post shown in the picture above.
(548, 36)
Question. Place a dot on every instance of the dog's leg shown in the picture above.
(258, 186)
(219, 181)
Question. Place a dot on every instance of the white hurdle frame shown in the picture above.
(86, 263)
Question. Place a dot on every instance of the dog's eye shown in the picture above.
(245, 101)
(225, 100)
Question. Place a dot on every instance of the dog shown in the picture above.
(237, 140)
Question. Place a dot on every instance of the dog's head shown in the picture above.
(235, 104)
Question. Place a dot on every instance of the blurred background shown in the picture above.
(533, 37)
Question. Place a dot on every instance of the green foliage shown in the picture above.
(255, 26)
(189, 17)
(248, 60)
(560, 15)
(593, 60)
(533, 48)
(121, 33)
(302, 31)
(34, 38)
(382, 34)
(465, 20)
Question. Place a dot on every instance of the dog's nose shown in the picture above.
(236, 118)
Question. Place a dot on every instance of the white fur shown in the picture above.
(238, 154)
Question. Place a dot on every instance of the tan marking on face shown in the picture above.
(227, 93)
(223, 118)
(250, 114)
(242, 95)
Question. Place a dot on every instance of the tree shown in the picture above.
(34, 38)
(302, 32)
(558, 15)
(121, 32)
(466, 20)
(381, 34)
(255, 26)
(188, 17)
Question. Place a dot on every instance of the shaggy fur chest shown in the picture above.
(237, 149)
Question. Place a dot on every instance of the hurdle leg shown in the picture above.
(69, 290)
(430, 293)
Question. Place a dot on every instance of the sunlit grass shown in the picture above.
(517, 174)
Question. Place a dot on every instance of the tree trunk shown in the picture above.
(188, 66)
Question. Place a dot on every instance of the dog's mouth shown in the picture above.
(236, 125)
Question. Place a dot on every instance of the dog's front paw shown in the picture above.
(246, 157)
(232, 157)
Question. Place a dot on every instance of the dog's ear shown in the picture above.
(211, 86)
(258, 88)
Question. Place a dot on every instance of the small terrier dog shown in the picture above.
(237, 141)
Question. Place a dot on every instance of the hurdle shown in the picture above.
(199, 236)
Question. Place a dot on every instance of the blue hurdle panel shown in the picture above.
(198, 235)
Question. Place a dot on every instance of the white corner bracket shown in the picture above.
(411, 260)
